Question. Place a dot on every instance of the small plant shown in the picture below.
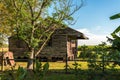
(100, 59)
(40, 70)
(66, 68)
(20, 74)
(77, 70)
(24, 74)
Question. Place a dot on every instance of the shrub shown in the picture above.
(23, 74)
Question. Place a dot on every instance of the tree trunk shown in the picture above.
(30, 64)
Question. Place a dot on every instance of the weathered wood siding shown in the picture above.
(18, 47)
(57, 49)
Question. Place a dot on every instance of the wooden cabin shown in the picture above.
(63, 43)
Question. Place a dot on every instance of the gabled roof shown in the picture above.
(71, 32)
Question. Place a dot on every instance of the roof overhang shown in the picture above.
(82, 36)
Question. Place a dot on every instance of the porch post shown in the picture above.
(76, 48)
(2, 66)
(66, 60)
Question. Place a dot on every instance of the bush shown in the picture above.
(23, 74)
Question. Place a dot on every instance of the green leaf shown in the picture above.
(38, 65)
(45, 67)
(21, 73)
(116, 16)
(117, 30)
(35, 42)
(115, 36)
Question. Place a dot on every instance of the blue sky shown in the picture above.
(94, 20)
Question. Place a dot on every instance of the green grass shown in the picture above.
(83, 75)
(61, 65)
(3, 49)
(52, 65)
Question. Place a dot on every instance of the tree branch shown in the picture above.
(40, 10)
(21, 4)
(15, 5)
(43, 45)
(31, 12)
(69, 9)
(77, 8)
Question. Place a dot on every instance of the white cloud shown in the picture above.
(100, 30)
(94, 39)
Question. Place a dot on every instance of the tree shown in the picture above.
(34, 21)
(115, 49)
(3, 29)
(115, 34)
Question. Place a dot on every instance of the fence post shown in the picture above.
(2, 65)
(103, 62)
(66, 64)
(34, 60)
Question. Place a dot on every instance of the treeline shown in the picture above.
(91, 47)
(100, 57)
(91, 51)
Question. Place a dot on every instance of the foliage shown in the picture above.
(115, 49)
(86, 75)
(58, 76)
(4, 28)
(39, 72)
(4, 25)
(116, 16)
(19, 75)
(86, 51)
(115, 34)
(91, 47)
(24, 74)
(76, 69)
(101, 58)
(114, 55)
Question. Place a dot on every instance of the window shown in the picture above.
(50, 42)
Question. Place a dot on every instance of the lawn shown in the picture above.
(83, 74)
(3, 49)
(59, 65)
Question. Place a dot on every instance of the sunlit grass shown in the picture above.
(3, 49)
(52, 65)
(60, 65)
